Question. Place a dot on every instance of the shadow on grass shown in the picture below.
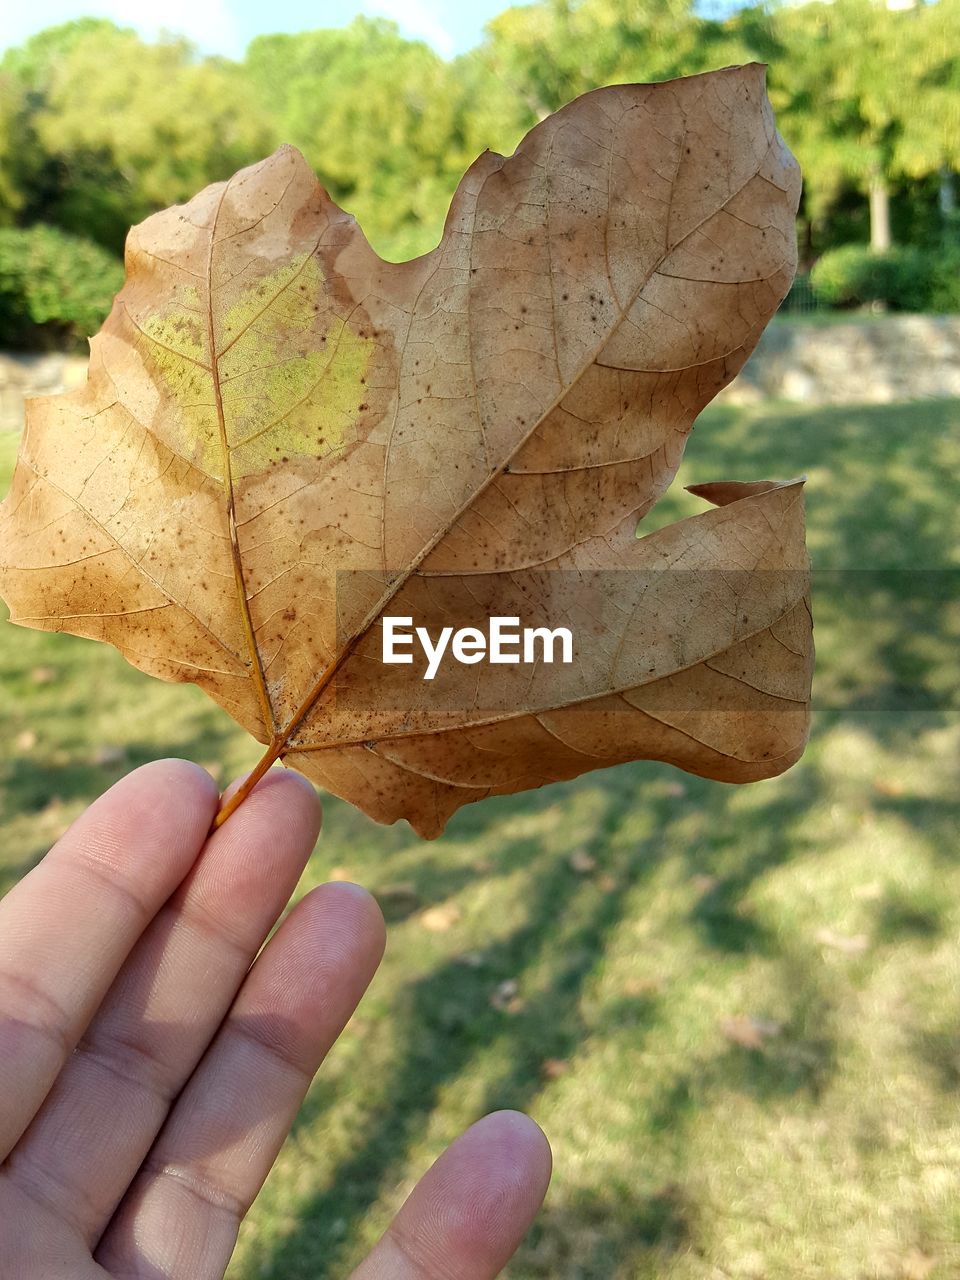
(882, 495)
(616, 1233)
(41, 787)
(445, 1024)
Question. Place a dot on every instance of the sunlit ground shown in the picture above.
(733, 1010)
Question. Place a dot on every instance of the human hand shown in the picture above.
(149, 1074)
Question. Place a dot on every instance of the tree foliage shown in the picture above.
(387, 124)
(514, 401)
(552, 51)
(54, 287)
(98, 128)
(119, 127)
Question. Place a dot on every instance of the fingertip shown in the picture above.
(283, 801)
(479, 1199)
(355, 910)
(513, 1155)
(171, 798)
(521, 1140)
(172, 776)
(147, 830)
(367, 908)
(279, 776)
(299, 793)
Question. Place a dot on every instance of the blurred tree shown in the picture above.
(98, 128)
(552, 51)
(115, 128)
(33, 61)
(387, 124)
(867, 95)
(33, 181)
(11, 194)
(929, 141)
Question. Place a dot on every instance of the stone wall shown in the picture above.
(34, 375)
(866, 361)
(873, 361)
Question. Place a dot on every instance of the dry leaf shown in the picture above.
(403, 894)
(641, 986)
(41, 675)
(749, 1032)
(26, 740)
(703, 882)
(917, 1265)
(892, 787)
(440, 918)
(554, 1068)
(872, 891)
(849, 944)
(506, 998)
(398, 901)
(52, 810)
(284, 438)
(582, 862)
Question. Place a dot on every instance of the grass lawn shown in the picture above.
(827, 317)
(735, 1012)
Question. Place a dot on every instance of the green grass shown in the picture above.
(826, 317)
(826, 902)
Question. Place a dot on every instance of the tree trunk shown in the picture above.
(948, 201)
(948, 191)
(807, 253)
(879, 214)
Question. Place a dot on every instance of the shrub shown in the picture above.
(945, 294)
(55, 289)
(904, 279)
(801, 296)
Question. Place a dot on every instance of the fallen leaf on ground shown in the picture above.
(26, 740)
(506, 998)
(554, 1068)
(870, 892)
(42, 675)
(398, 901)
(582, 862)
(892, 787)
(642, 986)
(850, 944)
(749, 1032)
(405, 891)
(703, 883)
(440, 918)
(284, 439)
(917, 1265)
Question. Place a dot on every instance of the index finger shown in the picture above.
(468, 1214)
(68, 926)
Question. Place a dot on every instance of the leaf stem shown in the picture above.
(265, 763)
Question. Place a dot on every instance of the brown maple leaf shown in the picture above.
(284, 439)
